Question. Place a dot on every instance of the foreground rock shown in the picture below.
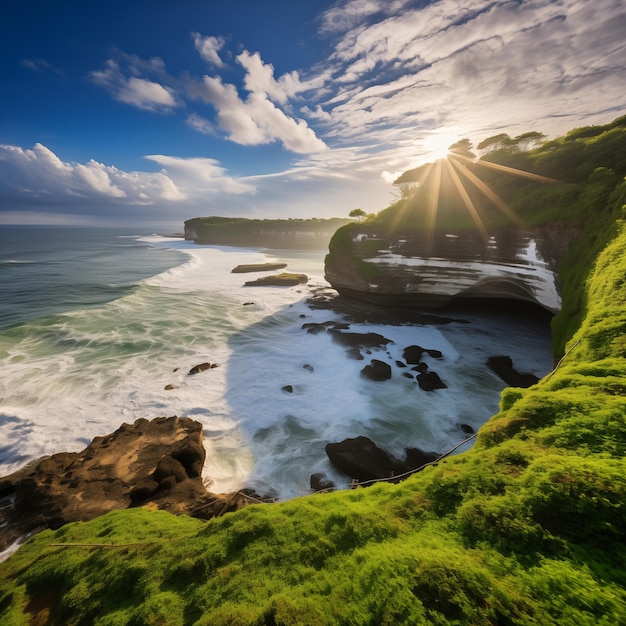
(155, 463)
(278, 280)
(362, 460)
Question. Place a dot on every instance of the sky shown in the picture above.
(151, 112)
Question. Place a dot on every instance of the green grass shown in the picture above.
(528, 527)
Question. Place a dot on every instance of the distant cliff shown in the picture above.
(313, 234)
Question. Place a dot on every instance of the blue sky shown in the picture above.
(152, 112)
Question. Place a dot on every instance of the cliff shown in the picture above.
(282, 234)
(512, 227)
(527, 527)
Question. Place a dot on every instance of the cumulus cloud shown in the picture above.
(201, 175)
(256, 120)
(209, 47)
(139, 92)
(39, 175)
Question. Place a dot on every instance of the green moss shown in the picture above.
(528, 527)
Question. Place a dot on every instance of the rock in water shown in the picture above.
(429, 381)
(377, 370)
(503, 367)
(278, 280)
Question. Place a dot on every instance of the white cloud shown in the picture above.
(200, 175)
(256, 120)
(139, 92)
(208, 47)
(38, 175)
(260, 79)
(481, 65)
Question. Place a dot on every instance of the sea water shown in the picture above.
(98, 328)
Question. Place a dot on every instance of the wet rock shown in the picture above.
(287, 388)
(201, 367)
(503, 367)
(413, 354)
(362, 460)
(377, 370)
(429, 381)
(278, 280)
(360, 340)
(308, 367)
(319, 482)
(466, 428)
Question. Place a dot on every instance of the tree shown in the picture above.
(462, 147)
(357, 214)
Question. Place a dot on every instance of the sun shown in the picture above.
(437, 143)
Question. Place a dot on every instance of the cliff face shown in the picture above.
(311, 234)
(411, 269)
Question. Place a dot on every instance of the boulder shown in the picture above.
(156, 463)
(201, 367)
(319, 482)
(503, 367)
(278, 280)
(362, 460)
(429, 381)
(377, 370)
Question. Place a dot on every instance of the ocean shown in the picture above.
(100, 327)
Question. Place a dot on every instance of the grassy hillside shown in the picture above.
(528, 527)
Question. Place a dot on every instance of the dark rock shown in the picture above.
(319, 482)
(278, 280)
(196, 369)
(466, 428)
(400, 364)
(360, 340)
(503, 367)
(377, 370)
(308, 367)
(258, 267)
(421, 367)
(429, 381)
(362, 460)
(413, 354)
(408, 375)
(287, 388)
(355, 354)
(169, 387)
(416, 458)
(248, 303)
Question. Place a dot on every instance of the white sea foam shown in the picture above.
(70, 378)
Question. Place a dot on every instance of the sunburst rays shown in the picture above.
(475, 194)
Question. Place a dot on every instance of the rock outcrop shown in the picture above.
(156, 463)
(362, 460)
(278, 280)
(409, 269)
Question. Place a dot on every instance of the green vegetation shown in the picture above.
(274, 233)
(528, 527)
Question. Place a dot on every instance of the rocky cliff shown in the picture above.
(285, 234)
(408, 268)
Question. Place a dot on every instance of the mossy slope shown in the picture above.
(526, 528)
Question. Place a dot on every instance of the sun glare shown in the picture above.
(438, 143)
